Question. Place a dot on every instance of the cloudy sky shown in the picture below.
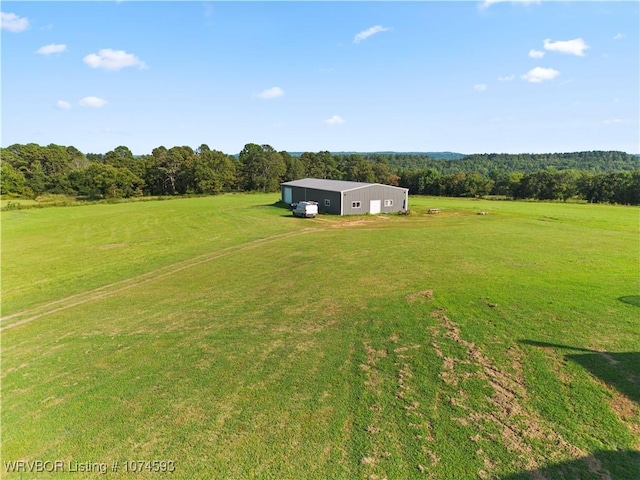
(470, 77)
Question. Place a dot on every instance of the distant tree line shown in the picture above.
(595, 161)
(621, 187)
(31, 170)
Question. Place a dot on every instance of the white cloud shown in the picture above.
(113, 60)
(481, 87)
(335, 120)
(53, 48)
(93, 102)
(572, 47)
(13, 23)
(536, 54)
(613, 121)
(62, 105)
(487, 3)
(539, 74)
(619, 36)
(507, 79)
(269, 93)
(363, 35)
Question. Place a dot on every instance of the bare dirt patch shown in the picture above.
(109, 246)
(424, 294)
(352, 223)
(371, 367)
(626, 409)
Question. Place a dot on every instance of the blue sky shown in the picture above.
(470, 77)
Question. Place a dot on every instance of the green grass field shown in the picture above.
(238, 342)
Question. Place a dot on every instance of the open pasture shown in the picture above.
(238, 342)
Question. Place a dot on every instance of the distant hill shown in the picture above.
(447, 163)
(431, 155)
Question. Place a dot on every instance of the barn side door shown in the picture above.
(374, 207)
(286, 194)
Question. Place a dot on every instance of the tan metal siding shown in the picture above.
(373, 192)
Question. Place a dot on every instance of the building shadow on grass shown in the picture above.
(617, 369)
(613, 464)
(284, 209)
(272, 205)
(280, 204)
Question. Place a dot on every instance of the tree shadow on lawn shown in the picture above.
(619, 370)
(631, 300)
(618, 464)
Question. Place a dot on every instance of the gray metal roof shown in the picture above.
(331, 185)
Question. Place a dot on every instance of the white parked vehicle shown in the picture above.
(305, 209)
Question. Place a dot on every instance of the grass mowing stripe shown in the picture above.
(51, 254)
(114, 288)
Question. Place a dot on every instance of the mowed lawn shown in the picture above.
(238, 342)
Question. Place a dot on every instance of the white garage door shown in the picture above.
(374, 207)
(286, 193)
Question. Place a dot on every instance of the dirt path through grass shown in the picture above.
(48, 308)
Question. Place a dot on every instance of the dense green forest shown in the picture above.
(32, 170)
(597, 162)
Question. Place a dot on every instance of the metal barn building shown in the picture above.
(346, 198)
